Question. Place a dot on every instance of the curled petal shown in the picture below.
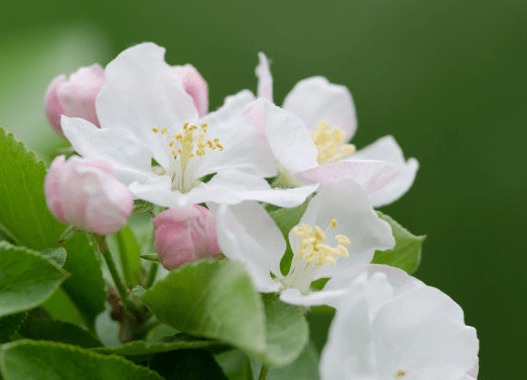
(315, 99)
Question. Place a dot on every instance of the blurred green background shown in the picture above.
(448, 79)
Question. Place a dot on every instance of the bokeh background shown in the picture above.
(447, 78)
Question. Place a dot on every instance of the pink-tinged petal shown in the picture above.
(387, 149)
(245, 149)
(315, 99)
(128, 156)
(256, 114)
(288, 138)
(52, 106)
(77, 95)
(142, 92)
(370, 175)
(265, 80)
(346, 202)
(246, 233)
(186, 235)
(195, 86)
(84, 193)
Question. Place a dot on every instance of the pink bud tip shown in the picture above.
(74, 97)
(195, 86)
(85, 193)
(183, 236)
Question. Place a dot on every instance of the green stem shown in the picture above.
(264, 372)
(121, 289)
(152, 272)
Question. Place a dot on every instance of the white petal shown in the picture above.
(315, 99)
(417, 329)
(324, 297)
(142, 92)
(246, 233)
(265, 80)
(348, 353)
(288, 138)
(356, 219)
(249, 187)
(423, 333)
(130, 157)
(370, 175)
(245, 148)
(387, 149)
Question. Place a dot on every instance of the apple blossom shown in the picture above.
(389, 325)
(186, 235)
(160, 148)
(338, 231)
(84, 193)
(75, 96)
(319, 118)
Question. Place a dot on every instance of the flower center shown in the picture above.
(182, 147)
(329, 143)
(312, 254)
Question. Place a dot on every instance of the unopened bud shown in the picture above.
(183, 236)
(74, 97)
(85, 193)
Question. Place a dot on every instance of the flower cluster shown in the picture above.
(217, 182)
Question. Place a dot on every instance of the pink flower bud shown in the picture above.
(195, 86)
(184, 236)
(85, 193)
(74, 97)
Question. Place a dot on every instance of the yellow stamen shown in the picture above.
(313, 247)
(329, 143)
(155, 130)
(400, 373)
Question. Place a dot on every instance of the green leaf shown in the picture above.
(187, 364)
(213, 299)
(31, 360)
(286, 219)
(39, 326)
(287, 330)
(128, 250)
(58, 255)
(9, 325)
(175, 342)
(407, 251)
(25, 216)
(61, 307)
(86, 286)
(27, 279)
(216, 299)
(305, 367)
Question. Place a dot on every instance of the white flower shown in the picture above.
(308, 137)
(151, 134)
(389, 325)
(338, 230)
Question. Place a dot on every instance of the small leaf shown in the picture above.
(175, 342)
(305, 367)
(25, 216)
(27, 279)
(40, 326)
(407, 251)
(86, 286)
(40, 360)
(287, 331)
(213, 299)
(187, 364)
(286, 219)
(9, 325)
